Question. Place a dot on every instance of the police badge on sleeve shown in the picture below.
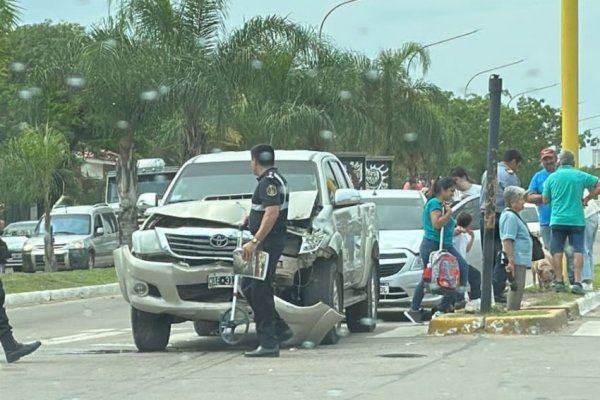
(272, 190)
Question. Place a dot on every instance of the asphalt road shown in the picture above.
(88, 353)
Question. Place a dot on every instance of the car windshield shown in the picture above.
(147, 183)
(399, 214)
(201, 180)
(19, 229)
(529, 215)
(67, 224)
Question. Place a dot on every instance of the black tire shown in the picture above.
(151, 332)
(206, 328)
(325, 285)
(362, 317)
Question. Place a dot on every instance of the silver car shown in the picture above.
(84, 237)
(15, 235)
(400, 215)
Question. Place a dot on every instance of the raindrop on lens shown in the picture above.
(149, 95)
(75, 81)
(122, 124)
(410, 137)
(367, 321)
(256, 64)
(308, 345)
(372, 75)
(17, 67)
(345, 95)
(25, 94)
(326, 135)
(334, 392)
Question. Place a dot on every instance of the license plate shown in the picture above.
(384, 288)
(219, 281)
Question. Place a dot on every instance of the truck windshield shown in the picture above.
(147, 183)
(198, 181)
(67, 224)
(399, 214)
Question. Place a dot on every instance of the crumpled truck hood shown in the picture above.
(233, 212)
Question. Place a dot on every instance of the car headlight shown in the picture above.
(77, 245)
(312, 242)
(27, 247)
(417, 264)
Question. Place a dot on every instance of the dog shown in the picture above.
(543, 271)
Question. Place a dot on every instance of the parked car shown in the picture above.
(531, 217)
(84, 237)
(180, 266)
(15, 235)
(400, 216)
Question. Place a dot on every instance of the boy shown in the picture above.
(463, 242)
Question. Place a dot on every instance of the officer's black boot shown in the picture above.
(14, 350)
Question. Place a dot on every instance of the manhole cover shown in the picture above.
(402, 355)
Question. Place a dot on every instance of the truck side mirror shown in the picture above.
(147, 200)
(346, 197)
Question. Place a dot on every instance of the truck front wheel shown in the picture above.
(362, 317)
(150, 331)
(325, 285)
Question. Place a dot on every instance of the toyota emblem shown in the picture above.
(219, 241)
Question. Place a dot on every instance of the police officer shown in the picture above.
(267, 223)
(13, 350)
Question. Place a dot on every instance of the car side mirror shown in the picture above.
(99, 231)
(147, 200)
(346, 197)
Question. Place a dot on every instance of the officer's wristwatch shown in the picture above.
(255, 241)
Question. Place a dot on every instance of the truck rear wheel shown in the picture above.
(150, 331)
(326, 286)
(362, 317)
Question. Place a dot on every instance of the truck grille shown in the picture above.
(199, 246)
(201, 293)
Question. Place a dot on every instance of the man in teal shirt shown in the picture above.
(564, 190)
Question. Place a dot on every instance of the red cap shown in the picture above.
(547, 152)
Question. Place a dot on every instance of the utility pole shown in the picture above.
(570, 76)
(489, 256)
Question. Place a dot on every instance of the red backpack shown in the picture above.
(442, 273)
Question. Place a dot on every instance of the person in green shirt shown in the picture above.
(564, 190)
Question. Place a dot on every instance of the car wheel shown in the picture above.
(90, 260)
(206, 328)
(325, 285)
(362, 317)
(151, 332)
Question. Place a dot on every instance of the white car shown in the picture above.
(15, 235)
(400, 215)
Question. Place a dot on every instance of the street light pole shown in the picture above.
(491, 70)
(330, 12)
(440, 42)
(530, 91)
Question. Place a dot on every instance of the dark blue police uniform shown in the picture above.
(271, 190)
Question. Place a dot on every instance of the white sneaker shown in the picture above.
(473, 306)
(588, 287)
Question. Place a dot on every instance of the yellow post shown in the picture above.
(570, 76)
(570, 82)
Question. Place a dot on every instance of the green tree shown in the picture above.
(31, 173)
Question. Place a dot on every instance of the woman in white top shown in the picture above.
(464, 184)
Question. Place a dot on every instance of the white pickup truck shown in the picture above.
(180, 266)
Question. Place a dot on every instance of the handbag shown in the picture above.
(537, 251)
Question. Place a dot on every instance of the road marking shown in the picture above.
(403, 332)
(590, 328)
(81, 337)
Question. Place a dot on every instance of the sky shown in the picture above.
(511, 30)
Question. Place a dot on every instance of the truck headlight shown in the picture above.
(312, 242)
(146, 242)
(28, 247)
(417, 264)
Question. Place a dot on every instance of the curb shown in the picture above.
(45, 296)
(553, 319)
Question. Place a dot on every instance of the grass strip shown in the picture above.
(20, 282)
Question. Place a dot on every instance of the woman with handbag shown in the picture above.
(437, 218)
(517, 244)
